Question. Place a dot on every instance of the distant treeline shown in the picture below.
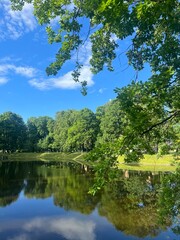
(70, 131)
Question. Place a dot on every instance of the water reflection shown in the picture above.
(133, 204)
(68, 228)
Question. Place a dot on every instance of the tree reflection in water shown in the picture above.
(138, 203)
(169, 200)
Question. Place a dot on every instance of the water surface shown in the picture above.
(41, 200)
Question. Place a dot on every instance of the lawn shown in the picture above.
(46, 156)
(150, 163)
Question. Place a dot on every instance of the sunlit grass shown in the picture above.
(49, 156)
(153, 159)
(151, 168)
(150, 163)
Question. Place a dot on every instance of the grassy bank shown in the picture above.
(47, 156)
(150, 163)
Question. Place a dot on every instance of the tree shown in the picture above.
(63, 121)
(154, 29)
(150, 118)
(32, 134)
(75, 130)
(153, 26)
(12, 132)
(38, 131)
(83, 133)
(46, 143)
(111, 125)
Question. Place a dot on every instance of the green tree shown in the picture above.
(12, 132)
(83, 133)
(111, 124)
(149, 118)
(63, 121)
(154, 29)
(153, 26)
(38, 133)
(46, 143)
(32, 139)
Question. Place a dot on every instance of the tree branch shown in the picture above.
(176, 113)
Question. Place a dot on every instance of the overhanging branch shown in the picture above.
(175, 114)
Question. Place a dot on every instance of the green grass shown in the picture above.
(151, 168)
(48, 156)
(59, 156)
(18, 156)
(150, 163)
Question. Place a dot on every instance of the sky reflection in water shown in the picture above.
(50, 201)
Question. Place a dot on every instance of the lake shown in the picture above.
(50, 200)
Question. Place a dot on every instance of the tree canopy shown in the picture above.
(39, 133)
(150, 107)
(153, 26)
(12, 132)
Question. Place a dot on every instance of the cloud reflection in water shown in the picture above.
(69, 228)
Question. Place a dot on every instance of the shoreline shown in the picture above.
(149, 163)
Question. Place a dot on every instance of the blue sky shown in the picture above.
(24, 55)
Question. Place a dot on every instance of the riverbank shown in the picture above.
(149, 163)
(46, 156)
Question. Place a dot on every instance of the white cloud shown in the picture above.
(15, 23)
(63, 82)
(66, 81)
(25, 71)
(6, 69)
(3, 80)
(84, 54)
(37, 80)
(69, 228)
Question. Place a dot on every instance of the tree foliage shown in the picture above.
(149, 115)
(154, 30)
(83, 133)
(150, 107)
(12, 132)
(153, 26)
(39, 133)
(64, 120)
(111, 122)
